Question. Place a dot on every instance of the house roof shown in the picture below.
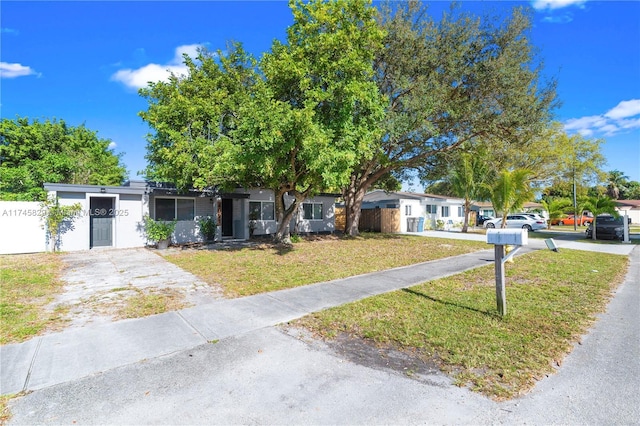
(634, 204)
(489, 205)
(129, 187)
(103, 189)
(381, 195)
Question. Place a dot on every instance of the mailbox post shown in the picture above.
(501, 238)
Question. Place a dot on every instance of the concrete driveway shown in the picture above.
(98, 281)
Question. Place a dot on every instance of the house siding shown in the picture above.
(188, 231)
(324, 225)
(129, 224)
(268, 227)
(131, 203)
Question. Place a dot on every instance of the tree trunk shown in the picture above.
(284, 215)
(467, 210)
(359, 184)
(353, 198)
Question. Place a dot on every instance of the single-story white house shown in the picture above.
(113, 216)
(413, 205)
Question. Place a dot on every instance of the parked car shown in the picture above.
(607, 227)
(584, 220)
(481, 219)
(518, 221)
(536, 216)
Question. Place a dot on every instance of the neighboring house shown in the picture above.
(486, 209)
(414, 205)
(631, 208)
(112, 216)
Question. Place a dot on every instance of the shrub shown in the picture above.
(207, 228)
(156, 230)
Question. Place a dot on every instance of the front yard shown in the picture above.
(265, 268)
(552, 299)
(451, 323)
(27, 284)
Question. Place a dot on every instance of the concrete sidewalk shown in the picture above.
(538, 243)
(72, 354)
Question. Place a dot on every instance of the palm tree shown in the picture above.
(616, 182)
(466, 181)
(555, 207)
(510, 191)
(599, 205)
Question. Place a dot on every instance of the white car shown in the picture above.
(536, 216)
(518, 221)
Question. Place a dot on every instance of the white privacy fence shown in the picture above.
(21, 227)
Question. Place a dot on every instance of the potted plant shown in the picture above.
(159, 231)
(207, 227)
(253, 223)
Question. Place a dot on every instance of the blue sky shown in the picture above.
(84, 61)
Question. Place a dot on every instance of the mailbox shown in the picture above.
(511, 237)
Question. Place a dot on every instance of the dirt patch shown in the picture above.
(99, 285)
(363, 352)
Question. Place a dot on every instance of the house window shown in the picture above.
(262, 210)
(407, 210)
(460, 211)
(445, 211)
(432, 209)
(487, 213)
(312, 211)
(175, 209)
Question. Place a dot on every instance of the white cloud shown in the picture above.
(624, 109)
(140, 77)
(112, 145)
(561, 19)
(9, 31)
(8, 70)
(556, 4)
(622, 118)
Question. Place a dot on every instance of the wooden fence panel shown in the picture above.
(371, 220)
(340, 218)
(390, 220)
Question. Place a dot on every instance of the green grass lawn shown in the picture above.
(267, 268)
(28, 283)
(552, 299)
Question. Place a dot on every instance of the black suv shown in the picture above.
(607, 227)
(480, 219)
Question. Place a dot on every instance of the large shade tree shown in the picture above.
(449, 82)
(33, 152)
(296, 121)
